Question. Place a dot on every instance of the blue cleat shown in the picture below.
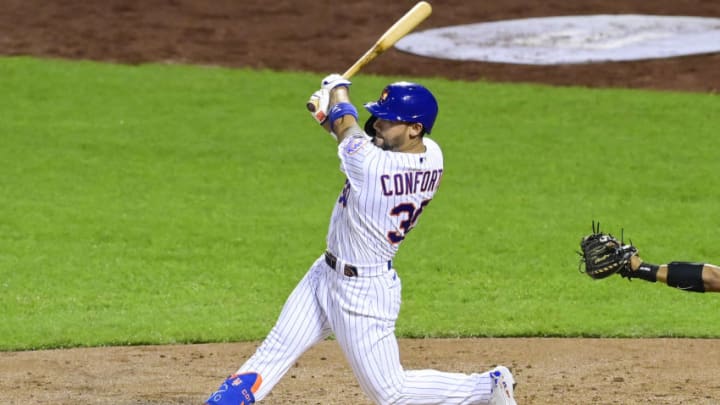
(238, 389)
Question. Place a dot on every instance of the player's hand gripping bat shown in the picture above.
(402, 27)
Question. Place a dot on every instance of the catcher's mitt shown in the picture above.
(603, 255)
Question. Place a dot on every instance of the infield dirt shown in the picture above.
(313, 36)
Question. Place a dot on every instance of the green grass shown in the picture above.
(161, 204)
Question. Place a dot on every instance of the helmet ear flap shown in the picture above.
(369, 126)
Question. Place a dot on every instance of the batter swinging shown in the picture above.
(352, 290)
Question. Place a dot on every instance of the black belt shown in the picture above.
(331, 260)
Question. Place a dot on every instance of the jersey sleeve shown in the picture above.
(353, 152)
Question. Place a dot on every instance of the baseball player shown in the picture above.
(352, 290)
(695, 277)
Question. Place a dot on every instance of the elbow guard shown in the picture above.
(686, 276)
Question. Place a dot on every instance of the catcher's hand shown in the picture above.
(603, 255)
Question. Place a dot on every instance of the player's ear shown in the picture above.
(416, 129)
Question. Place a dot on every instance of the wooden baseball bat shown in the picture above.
(402, 27)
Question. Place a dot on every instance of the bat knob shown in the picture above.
(311, 106)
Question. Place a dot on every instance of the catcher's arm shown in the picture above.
(603, 255)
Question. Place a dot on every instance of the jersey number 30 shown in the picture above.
(409, 215)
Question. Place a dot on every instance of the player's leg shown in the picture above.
(365, 330)
(301, 324)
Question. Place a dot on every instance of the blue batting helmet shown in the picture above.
(407, 102)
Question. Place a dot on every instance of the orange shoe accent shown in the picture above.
(256, 386)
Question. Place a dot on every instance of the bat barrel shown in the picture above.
(402, 27)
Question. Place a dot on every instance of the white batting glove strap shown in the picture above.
(318, 105)
(334, 80)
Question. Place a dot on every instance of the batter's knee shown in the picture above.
(383, 395)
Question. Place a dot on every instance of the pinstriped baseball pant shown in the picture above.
(361, 313)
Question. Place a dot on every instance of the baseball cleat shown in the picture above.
(238, 389)
(503, 386)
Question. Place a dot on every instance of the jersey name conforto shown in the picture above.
(410, 182)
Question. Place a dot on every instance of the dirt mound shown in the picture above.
(309, 35)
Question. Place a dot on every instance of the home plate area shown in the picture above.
(569, 39)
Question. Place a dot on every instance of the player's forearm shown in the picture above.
(344, 123)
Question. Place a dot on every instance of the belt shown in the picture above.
(348, 270)
(352, 271)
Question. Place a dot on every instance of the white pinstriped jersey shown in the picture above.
(384, 194)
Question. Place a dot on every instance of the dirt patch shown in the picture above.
(549, 371)
(309, 35)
